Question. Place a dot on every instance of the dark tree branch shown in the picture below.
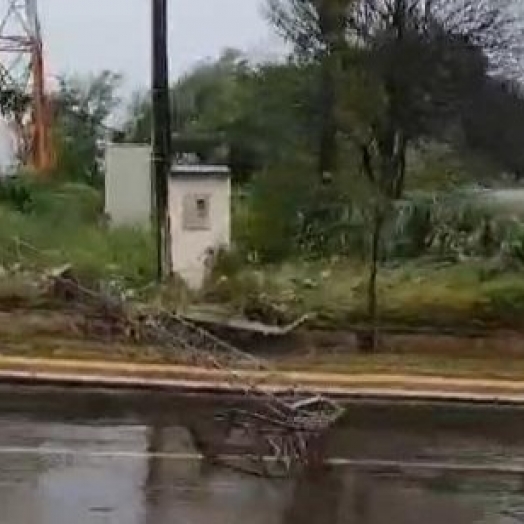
(366, 163)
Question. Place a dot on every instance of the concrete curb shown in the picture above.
(182, 379)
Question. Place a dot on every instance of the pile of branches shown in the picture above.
(280, 434)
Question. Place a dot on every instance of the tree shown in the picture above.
(493, 125)
(277, 123)
(262, 112)
(396, 99)
(82, 107)
(204, 99)
(382, 97)
(206, 104)
(317, 29)
(15, 105)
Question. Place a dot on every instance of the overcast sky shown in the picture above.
(88, 36)
(83, 36)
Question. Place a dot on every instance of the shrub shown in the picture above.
(267, 225)
(16, 193)
(286, 213)
(61, 225)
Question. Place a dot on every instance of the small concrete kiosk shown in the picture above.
(200, 218)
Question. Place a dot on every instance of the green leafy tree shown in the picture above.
(263, 113)
(203, 100)
(381, 96)
(493, 125)
(317, 29)
(82, 107)
(409, 99)
(207, 102)
(277, 121)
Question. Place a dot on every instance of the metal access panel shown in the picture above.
(196, 212)
(128, 187)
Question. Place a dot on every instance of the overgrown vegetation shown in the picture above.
(47, 225)
(361, 149)
(358, 167)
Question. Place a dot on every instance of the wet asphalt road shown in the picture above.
(96, 457)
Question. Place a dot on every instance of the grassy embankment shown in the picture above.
(64, 224)
(57, 224)
(415, 293)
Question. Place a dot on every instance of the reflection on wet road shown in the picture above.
(93, 458)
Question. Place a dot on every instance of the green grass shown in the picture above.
(63, 224)
(415, 293)
(434, 365)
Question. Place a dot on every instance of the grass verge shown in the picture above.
(412, 294)
(58, 224)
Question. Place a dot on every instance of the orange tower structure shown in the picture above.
(23, 98)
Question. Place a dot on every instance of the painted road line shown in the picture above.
(397, 466)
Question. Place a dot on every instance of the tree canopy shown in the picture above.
(262, 112)
(81, 109)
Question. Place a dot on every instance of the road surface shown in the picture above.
(96, 457)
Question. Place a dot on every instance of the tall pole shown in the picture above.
(161, 133)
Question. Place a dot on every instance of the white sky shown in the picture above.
(83, 36)
(88, 36)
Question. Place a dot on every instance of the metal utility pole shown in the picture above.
(161, 160)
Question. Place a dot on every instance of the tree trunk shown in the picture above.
(332, 20)
(373, 334)
(328, 147)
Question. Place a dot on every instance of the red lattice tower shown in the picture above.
(22, 83)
